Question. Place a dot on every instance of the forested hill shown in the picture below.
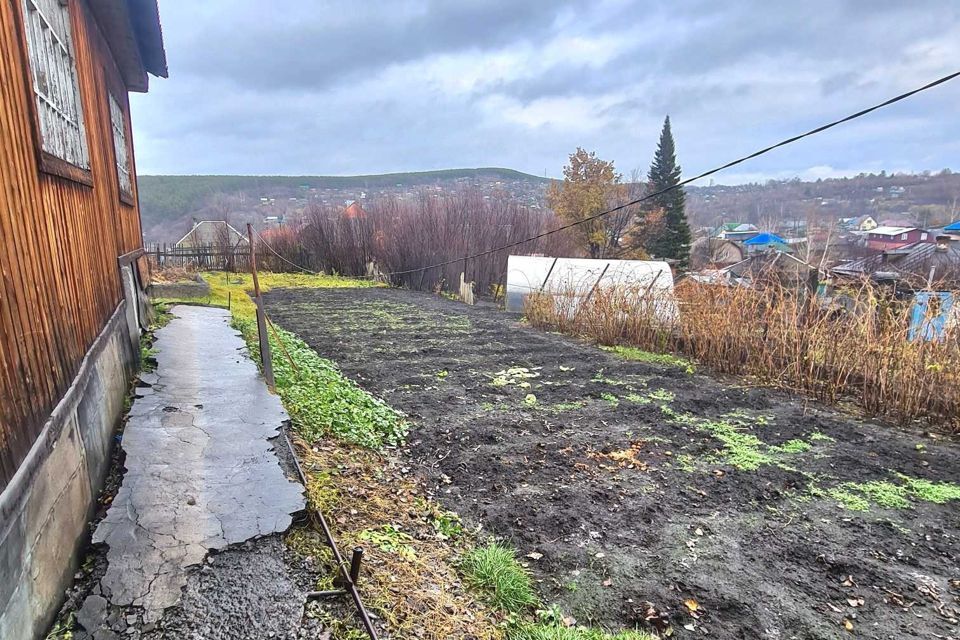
(168, 203)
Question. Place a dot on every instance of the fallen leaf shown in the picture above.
(533, 555)
(608, 582)
(855, 602)
(847, 625)
(691, 604)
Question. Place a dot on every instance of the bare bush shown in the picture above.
(394, 235)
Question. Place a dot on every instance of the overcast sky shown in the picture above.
(340, 87)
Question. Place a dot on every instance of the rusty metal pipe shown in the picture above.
(347, 578)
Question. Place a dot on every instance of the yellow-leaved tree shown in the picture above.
(591, 185)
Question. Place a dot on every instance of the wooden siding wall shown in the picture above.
(59, 239)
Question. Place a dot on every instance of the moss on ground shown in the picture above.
(633, 353)
(886, 494)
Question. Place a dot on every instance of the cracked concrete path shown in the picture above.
(201, 473)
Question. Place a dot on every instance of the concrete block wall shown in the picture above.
(45, 509)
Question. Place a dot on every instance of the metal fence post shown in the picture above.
(265, 357)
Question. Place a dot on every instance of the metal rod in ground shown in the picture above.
(355, 564)
(332, 593)
(597, 283)
(549, 272)
(348, 584)
(265, 356)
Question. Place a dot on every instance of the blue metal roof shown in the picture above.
(766, 238)
(953, 227)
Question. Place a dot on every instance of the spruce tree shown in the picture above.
(673, 242)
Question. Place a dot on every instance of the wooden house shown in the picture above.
(70, 281)
(888, 237)
(207, 233)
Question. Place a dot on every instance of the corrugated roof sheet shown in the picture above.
(910, 260)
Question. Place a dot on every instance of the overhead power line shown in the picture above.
(649, 196)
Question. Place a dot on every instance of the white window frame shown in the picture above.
(56, 86)
(121, 153)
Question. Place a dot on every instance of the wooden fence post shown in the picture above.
(265, 358)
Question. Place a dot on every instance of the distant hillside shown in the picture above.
(168, 203)
(928, 200)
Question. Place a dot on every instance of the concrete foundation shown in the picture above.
(45, 509)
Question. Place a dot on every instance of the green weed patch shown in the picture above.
(494, 571)
(633, 353)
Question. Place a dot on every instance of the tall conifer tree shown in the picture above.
(673, 242)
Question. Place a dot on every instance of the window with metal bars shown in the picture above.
(55, 84)
(119, 125)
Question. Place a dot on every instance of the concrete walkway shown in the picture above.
(201, 472)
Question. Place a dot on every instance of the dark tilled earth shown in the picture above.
(606, 476)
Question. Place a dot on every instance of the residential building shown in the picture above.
(883, 238)
(766, 241)
(915, 263)
(738, 231)
(860, 223)
(206, 233)
(715, 252)
(72, 261)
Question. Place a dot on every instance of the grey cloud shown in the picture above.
(304, 49)
(307, 87)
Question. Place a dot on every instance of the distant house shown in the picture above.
(354, 211)
(884, 238)
(952, 229)
(766, 241)
(715, 252)
(737, 231)
(912, 262)
(792, 227)
(206, 233)
(860, 223)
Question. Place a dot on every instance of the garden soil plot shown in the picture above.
(637, 490)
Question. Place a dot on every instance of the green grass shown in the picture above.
(633, 353)
(610, 399)
(936, 492)
(860, 496)
(662, 395)
(744, 451)
(541, 631)
(849, 500)
(390, 539)
(493, 570)
(319, 398)
(885, 494)
(568, 406)
(792, 446)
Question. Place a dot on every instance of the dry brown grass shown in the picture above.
(166, 275)
(408, 575)
(784, 339)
